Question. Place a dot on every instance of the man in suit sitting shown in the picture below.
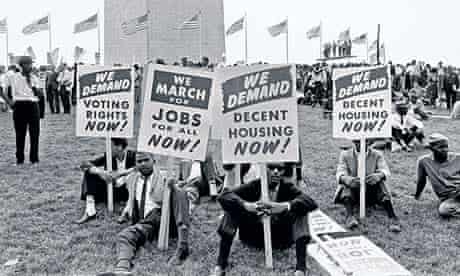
(146, 189)
(287, 206)
(348, 189)
(95, 179)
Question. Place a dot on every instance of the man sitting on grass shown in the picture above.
(146, 188)
(95, 179)
(405, 127)
(288, 207)
(442, 168)
(348, 190)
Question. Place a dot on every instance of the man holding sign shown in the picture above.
(146, 188)
(377, 172)
(287, 205)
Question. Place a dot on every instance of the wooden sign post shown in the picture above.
(362, 177)
(266, 219)
(108, 155)
(163, 236)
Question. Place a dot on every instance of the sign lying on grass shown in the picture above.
(337, 251)
(362, 104)
(175, 118)
(259, 116)
(105, 102)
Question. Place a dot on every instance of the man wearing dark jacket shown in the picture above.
(287, 206)
(95, 179)
(52, 91)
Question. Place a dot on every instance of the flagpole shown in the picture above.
(201, 50)
(320, 38)
(287, 40)
(367, 49)
(6, 38)
(147, 55)
(246, 38)
(49, 32)
(98, 38)
(378, 44)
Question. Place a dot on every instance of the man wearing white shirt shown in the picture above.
(65, 79)
(146, 186)
(23, 87)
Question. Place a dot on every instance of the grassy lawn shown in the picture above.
(39, 205)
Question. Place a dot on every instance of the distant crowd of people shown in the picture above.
(337, 49)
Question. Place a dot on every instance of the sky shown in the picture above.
(423, 30)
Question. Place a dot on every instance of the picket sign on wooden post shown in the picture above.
(266, 219)
(362, 177)
(237, 174)
(163, 235)
(108, 156)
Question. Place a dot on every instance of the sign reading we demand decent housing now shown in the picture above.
(105, 102)
(175, 118)
(362, 104)
(259, 117)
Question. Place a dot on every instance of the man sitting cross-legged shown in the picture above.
(95, 179)
(288, 207)
(442, 168)
(146, 187)
(348, 190)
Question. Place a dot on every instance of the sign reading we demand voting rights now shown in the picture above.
(175, 118)
(259, 116)
(362, 104)
(105, 102)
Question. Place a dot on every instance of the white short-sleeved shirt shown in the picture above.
(22, 91)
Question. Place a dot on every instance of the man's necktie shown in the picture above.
(142, 203)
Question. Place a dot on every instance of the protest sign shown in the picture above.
(259, 116)
(362, 109)
(175, 119)
(105, 102)
(320, 223)
(362, 104)
(364, 258)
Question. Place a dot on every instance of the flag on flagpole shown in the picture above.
(373, 46)
(236, 26)
(3, 26)
(30, 52)
(280, 28)
(86, 25)
(53, 57)
(360, 39)
(135, 25)
(191, 24)
(382, 53)
(78, 52)
(314, 32)
(39, 25)
(345, 35)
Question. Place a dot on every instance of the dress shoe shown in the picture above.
(218, 271)
(85, 218)
(115, 273)
(123, 218)
(352, 222)
(299, 273)
(179, 258)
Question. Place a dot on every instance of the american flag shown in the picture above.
(3, 26)
(280, 28)
(39, 25)
(314, 32)
(360, 39)
(236, 26)
(135, 25)
(87, 24)
(191, 24)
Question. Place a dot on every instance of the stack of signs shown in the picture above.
(362, 104)
(105, 102)
(175, 118)
(259, 116)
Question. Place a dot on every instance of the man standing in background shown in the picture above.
(65, 80)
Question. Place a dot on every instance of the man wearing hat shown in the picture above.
(442, 168)
(377, 173)
(26, 111)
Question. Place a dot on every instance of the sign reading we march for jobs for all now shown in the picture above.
(105, 102)
(175, 118)
(362, 104)
(259, 117)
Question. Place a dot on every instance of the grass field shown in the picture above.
(39, 204)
